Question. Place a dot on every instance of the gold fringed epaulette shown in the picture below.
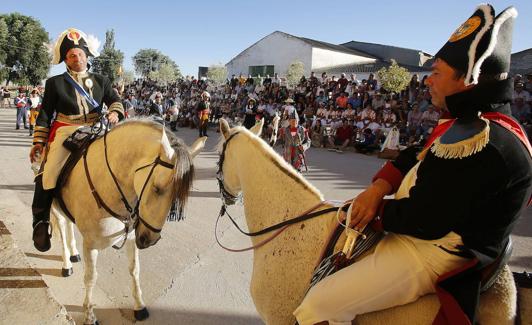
(464, 148)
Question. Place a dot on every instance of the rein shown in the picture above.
(131, 221)
(229, 199)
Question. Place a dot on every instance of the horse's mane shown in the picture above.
(274, 157)
(183, 170)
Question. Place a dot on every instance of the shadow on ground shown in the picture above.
(165, 316)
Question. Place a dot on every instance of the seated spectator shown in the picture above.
(429, 119)
(521, 110)
(355, 100)
(414, 119)
(367, 115)
(342, 137)
(367, 144)
(378, 102)
(321, 99)
(318, 135)
(349, 113)
(341, 101)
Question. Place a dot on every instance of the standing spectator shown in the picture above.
(6, 95)
(354, 80)
(203, 111)
(276, 80)
(528, 85)
(520, 92)
(342, 82)
(250, 112)
(35, 106)
(21, 103)
(372, 82)
(413, 88)
(313, 80)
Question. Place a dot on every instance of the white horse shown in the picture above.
(153, 169)
(273, 192)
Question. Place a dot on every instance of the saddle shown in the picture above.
(332, 261)
(77, 143)
(489, 273)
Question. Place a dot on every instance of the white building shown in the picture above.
(275, 52)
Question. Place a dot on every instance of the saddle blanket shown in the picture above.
(56, 156)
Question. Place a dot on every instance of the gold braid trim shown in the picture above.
(464, 148)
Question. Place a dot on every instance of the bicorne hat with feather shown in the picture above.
(74, 38)
(481, 46)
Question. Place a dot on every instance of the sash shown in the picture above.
(83, 92)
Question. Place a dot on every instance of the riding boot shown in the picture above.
(42, 202)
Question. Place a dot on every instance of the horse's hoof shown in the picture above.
(67, 272)
(75, 258)
(141, 314)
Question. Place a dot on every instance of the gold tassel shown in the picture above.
(461, 149)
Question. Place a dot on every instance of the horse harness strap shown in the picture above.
(131, 221)
(303, 217)
(280, 227)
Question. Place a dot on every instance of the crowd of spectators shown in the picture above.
(339, 113)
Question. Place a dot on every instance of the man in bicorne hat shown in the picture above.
(63, 104)
(455, 203)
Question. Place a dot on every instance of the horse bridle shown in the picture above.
(229, 199)
(131, 221)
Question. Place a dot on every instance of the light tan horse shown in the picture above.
(273, 192)
(153, 169)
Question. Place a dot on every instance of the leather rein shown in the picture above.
(132, 219)
(229, 199)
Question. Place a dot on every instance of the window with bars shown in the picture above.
(262, 70)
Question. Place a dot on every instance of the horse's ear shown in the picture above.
(257, 128)
(275, 127)
(197, 146)
(224, 128)
(166, 148)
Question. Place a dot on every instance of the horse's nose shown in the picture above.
(144, 241)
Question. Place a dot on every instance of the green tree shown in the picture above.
(217, 74)
(165, 75)
(3, 53)
(149, 60)
(128, 77)
(23, 53)
(394, 78)
(110, 59)
(294, 73)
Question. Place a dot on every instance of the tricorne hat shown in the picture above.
(481, 46)
(74, 38)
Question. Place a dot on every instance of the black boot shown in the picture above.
(42, 202)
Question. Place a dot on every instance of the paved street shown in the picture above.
(186, 278)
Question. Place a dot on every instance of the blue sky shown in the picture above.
(201, 33)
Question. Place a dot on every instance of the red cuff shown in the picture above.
(376, 223)
(391, 174)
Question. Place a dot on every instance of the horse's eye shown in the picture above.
(156, 189)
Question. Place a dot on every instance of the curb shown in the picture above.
(24, 296)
